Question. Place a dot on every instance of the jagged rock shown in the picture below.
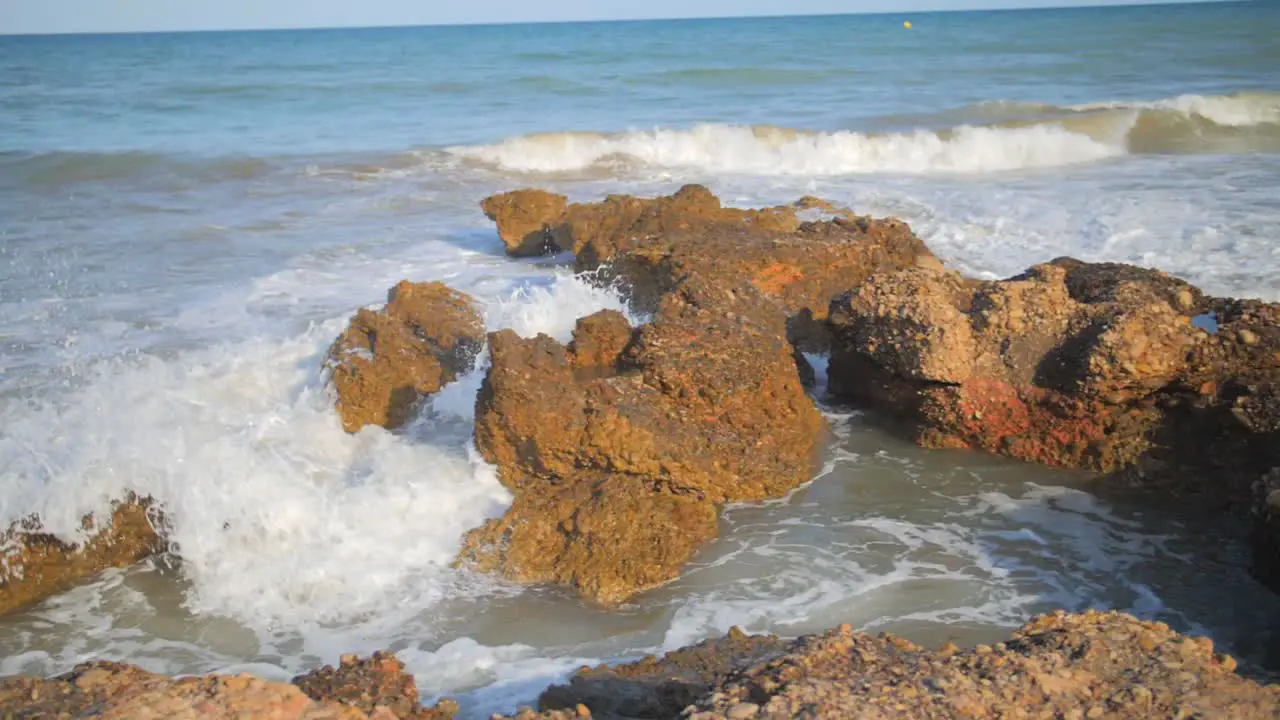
(1069, 364)
(124, 692)
(35, 564)
(525, 219)
(387, 360)
(1266, 530)
(651, 245)
(619, 459)
(661, 687)
(372, 685)
(1093, 665)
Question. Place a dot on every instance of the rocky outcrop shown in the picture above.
(389, 359)
(621, 446)
(1266, 530)
(373, 685)
(661, 687)
(651, 245)
(35, 564)
(1099, 366)
(377, 688)
(1091, 665)
(117, 691)
(1095, 665)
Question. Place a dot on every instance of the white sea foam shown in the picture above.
(279, 516)
(779, 151)
(1242, 109)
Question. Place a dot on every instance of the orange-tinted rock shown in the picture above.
(1096, 366)
(618, 471)
(651, 245)
(35, 565)
(125, 692)
(389, 359)
(525, 219)
(1093, 665)
(375, 684)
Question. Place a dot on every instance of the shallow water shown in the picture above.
(186, 222)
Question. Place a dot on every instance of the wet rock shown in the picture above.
(1266, 530)
(1069, 364)
(618, 471)
(125, 692)
(377, 684)
(661, 687)
(525, 219)
(1104, 665)
(35, 565)
(651, 245)
(387, 360)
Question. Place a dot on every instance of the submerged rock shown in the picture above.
(1095, 366)
(652, 245)
(35, 564)
(621, 446)
(387, 360)
(1266, 530)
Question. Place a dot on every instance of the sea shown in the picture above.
(188, 220)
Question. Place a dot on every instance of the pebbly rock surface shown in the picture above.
(375, 688)
(661, 687)
(116, 691)
(651, 245)
(373, 685)
(35, 565)
(1094, 665)
(621, 446)
(1101, 366)
(387, 360)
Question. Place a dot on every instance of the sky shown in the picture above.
(58, 16)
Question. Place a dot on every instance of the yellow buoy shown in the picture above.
(907, 24)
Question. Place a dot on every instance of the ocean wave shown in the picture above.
(993, 136)
(61, 167)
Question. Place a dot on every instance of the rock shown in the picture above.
(1063, 666)
(1266, 530)
(525, 219)
(651, 245)
(35, 565)
(661, 687)
(387, 360)
(1069, 364)
(370, 685)
(621, 447)
(125, 692)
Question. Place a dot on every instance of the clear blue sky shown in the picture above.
(47, 16)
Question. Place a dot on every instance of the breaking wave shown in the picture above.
(996, 136)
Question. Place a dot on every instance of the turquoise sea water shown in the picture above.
(186, 221)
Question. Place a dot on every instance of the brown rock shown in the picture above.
(1105, 665)
(525, 219)
(124, 692)
(387, 360)
(661, 687)
(618, 471)
(651, 245)
(35, 565)
(377, 683)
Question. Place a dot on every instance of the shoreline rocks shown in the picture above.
(1101, 366)
(621, 447)
(35, 565)
(387, 360)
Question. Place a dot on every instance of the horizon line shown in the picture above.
(704, 18)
